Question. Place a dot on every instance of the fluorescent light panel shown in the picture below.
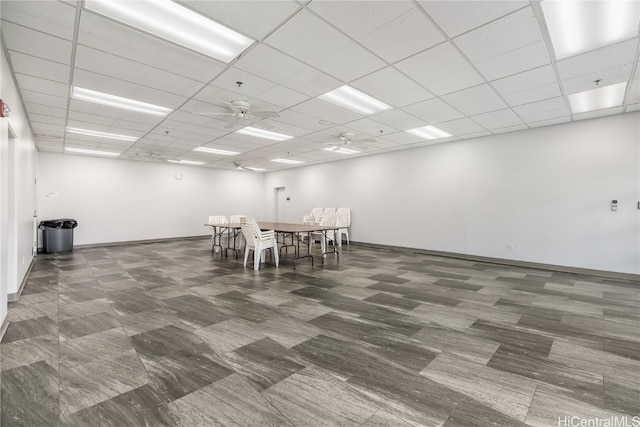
(215, 151)
(598, 99)
(176, 23)
(93, 152)
(186, 162)
(341, 150)
(580, 26)
(261, 133)
(98, 134)
(288, 161)
(429, 132)
(93, 96)
(354, 100)
(256, 169)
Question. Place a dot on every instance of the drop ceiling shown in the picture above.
(470, 68)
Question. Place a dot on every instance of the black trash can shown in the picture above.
(57, 235)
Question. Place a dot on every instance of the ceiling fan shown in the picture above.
(241, 110)
(347, 141)
(240, 166)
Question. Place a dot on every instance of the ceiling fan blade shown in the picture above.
(262, 125)
(231, 107)
(334, 143)
(231, 123)
(265, 114)
(199, 113)
(366, 140)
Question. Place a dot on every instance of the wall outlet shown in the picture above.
(510, 246)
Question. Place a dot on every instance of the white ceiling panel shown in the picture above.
(44, 99)
(476, 100)
(632, 107)
(498, 119)
(35, 43)
(541, 106)
(114, 38)
(392, 87)
(282, 96)
(253, 18)
(530, 79)
(55, 18)
(89, 59)
(398, 119)
(369, 128)
(37, 84)
(532, 95)
(462, 126)
(404, 36)
(38, 67)
(325, 111)
(606, 77)
(457, 17)
(349, 63)
(489, 40)
(433, 111)
(598, 60)
(307, 37)
(525, 58)
(251, 85)
(52, 120)
(312, 82)
(598, 113)
(270, 64)
(45, 110)
(370, 15)
(440, 69)
(303, 120)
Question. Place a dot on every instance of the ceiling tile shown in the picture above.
(312, 82)
(540, 106)
(433, 111)
(270, 64)
(369, 128)
(38, 67)
(598, 60)
(398, 119)
(44, 99)
(307, 37)
(530, 79)
(350, 62)
(37, 84)
(89, 59)
(489, 40)
(51, 17)
(532, 95)
(497, 119)
(598, 113)
(404, 36)
(253, 18)
(282, 96)
(457, 17)
(460, 127)
(302, 120)
(440, 69)
(525, 58)
(392, 87)
(35, 43)
(371, 15)
(475, 100)
(325, 111)
(111, 37)
(606, 77)
(251, 85)
(46, 110)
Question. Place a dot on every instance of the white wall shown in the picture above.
(121, 200)
(17, 190)
(546, 190)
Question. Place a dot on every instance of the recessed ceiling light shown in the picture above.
(88, 95)
(429, 132)
(288, 161)
(186, 162)
(579, 26)
(176, 23)
(261, 133)
(598, 99)
(94, 152)
(99, 134)
(341, 150)
(215, 151)
(354, 100)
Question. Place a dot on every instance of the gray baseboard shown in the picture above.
(501, 261)
(15, 296)
(4, 326)
(140, 242)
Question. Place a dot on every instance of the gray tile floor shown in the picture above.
(169, 334)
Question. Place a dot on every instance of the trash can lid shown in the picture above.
(59, 223)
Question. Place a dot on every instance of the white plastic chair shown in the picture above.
(311, 218)
(327, 220)
(237, 234)
(344, 222)
(217, 234)
(258, 241)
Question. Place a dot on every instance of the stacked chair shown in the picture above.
(258, 241)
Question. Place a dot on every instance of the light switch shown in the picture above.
(614, 205)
